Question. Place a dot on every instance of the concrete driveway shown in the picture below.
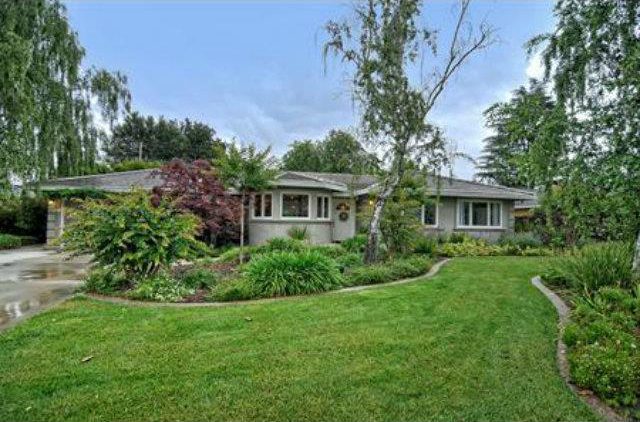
(32, 279)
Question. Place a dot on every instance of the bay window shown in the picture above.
(479, 214)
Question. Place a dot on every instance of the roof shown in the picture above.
(337, 182)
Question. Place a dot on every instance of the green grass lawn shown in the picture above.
(474, 343)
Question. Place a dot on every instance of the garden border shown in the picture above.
(597, 405)
(123, 301)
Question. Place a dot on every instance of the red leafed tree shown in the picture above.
(196, 188)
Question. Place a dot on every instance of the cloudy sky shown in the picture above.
(254, 69)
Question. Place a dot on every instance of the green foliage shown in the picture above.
(425, 245)
(521, 240)
(47, 94)
(348, 260)
(410, 267)
(299, 233)
(331, 250)
(106, 281)
(128, 234)
(130, 165)
(23, 216)
(594, 266)
(355, 244)
(291, 273)
(339, 152)
(233, 290)
(388, 271)
(79, 193)
(9, 241)
(160, 287)
(468, 246)
(199, 278)
(457, 237)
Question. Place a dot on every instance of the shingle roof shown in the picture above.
(450, 187)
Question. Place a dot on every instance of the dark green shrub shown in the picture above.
(160, 287)
(522, 240)
(332, 251)
(369, 274)
(610, 369)
(24, 216)
(355, 244)
(595, 266)
(278, 244)
(105, 281)
(458, 237)
(299, 233)
(232, 290)
(129, 165)
(286, 273)
(348, 260)
(409, 267)
(9, 241)
(199, 278)
(425, 245)
(131, 235)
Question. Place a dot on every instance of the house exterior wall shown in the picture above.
(320, 231)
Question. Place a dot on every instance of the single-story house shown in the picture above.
(328, 204)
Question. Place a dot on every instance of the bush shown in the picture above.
(278, 244)
(595, 266)
(368, 274)
(160, 287)
(458, 237)
(355, 244)
(9, 241)
(129, 234)
(232, 290)
(609, 369)
(299, 233)
(348, 260)
(471, 247)
(331, 251)
(286, 273)
(521, 240)
(425, 245)
(24, 216)
(105, 281)
(199, 278)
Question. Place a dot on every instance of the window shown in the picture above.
(430, 214)
(295, 205)
(262, 205)
(479, 214)
(322, 207)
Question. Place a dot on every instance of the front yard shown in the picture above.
(476, 342)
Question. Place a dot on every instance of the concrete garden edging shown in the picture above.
(597, 405)
(123, 301)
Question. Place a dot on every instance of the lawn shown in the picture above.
(474, 343)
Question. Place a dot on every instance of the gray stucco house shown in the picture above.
(328, 204)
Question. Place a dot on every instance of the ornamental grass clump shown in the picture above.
(285, 273)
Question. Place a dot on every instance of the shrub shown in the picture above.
(286, 273)
(458, 237)
(130, 234)
(471, 247)
(610, 369)
(522, 240)
(278, 244)
(232, 290)
(410, 267)
(425, 245)
(23, 216)
(199, 278)
(355, 244)
(332, 251)
(348, 260)
(9, 241)
(368, 274)
(299, 233)
(595, 266)
(104, 281)
(159, 287)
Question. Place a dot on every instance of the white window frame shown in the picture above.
(283, 193)
(437, 216)
(328, 198)
(253, 206)
(459, 222)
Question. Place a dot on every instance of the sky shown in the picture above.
(254, 70)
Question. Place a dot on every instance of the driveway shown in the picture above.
(32, 279)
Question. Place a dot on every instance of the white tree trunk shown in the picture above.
(636, 256)
(242, 229)
(371, 251)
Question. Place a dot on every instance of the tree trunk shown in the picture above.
(636, 257)
(140, 151)
(242, 229)
(371, 251)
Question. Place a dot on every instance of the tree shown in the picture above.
(47, 127)
(338, 152)
(592, 60)
(197, 189)
(147, 138)
(246, 170)
(384, 46)
(528, 141)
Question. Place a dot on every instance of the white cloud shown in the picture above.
(535, 67)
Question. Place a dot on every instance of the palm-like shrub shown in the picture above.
(129, 235)
(286, 273)
(299, 233)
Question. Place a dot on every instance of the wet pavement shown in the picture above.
(32, 279)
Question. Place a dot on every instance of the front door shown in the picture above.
(344, 218)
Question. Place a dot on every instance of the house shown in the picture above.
(328, 204)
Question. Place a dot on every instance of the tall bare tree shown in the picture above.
(385, 46)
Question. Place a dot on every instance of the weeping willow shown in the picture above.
(48, 101)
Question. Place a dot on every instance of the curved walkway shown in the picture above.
(122, 301)
(563, 364)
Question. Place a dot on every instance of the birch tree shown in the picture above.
(384, 46)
